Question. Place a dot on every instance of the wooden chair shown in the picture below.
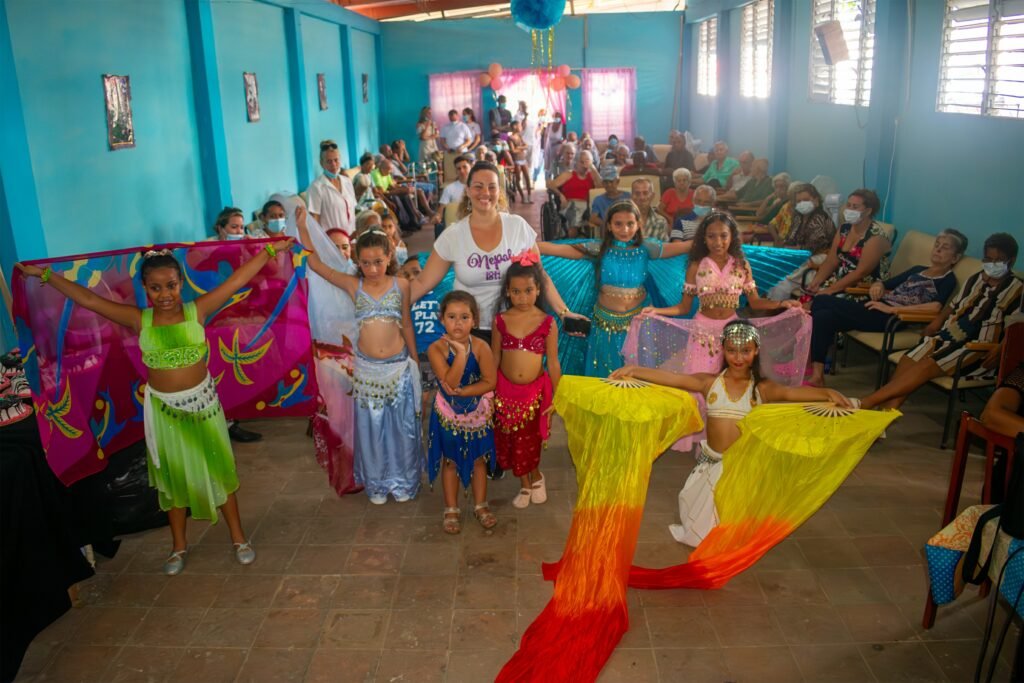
(970, 428)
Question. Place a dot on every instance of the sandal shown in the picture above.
(522, 499)
(452, 525)
(484, 515)
(539, 491)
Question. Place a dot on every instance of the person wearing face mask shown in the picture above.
(609, 152)
(977, 314)
(685, 225)
(500, 119)
(812, 230)
(332, 199)
(469, 118)
(859, 251)
(270, 221)
(781, 226)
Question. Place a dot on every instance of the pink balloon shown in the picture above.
(496, 84)
(558, 83)
(485, 80)
(564, 70)
(494, 70)
(572, 81)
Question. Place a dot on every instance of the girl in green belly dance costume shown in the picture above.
(190, 460)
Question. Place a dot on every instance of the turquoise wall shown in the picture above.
(261, 154)
(413, 51)
(321, 44)
(364, 61)
(89, 197)
(65, 192)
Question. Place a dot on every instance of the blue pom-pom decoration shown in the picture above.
(537, 14)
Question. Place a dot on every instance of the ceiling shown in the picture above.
(428, 10)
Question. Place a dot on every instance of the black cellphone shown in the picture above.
(576, 326)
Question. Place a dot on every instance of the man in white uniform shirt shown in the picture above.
(455, 135)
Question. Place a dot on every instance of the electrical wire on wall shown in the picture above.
(908, 55)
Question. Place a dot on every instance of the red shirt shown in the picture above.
(674, 205)
(577, 188)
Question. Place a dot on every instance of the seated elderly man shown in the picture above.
(638, 165)
(976, 315)
(640, 145)
(622, 155)
(743, 173)
(685, 226)
(455, 135)
(399, 198)
(721, 166)
(652, 223)
(678, 156)
(612, 194)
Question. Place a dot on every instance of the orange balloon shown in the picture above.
(558, 83)
(572, 81)
(494, 70)
(496, 84)
(563, 70)
(485, 80)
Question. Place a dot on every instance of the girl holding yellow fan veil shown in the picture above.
(742, 380)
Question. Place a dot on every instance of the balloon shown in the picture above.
(564, 70)
(496, 84)
(485, 80)
(537, 14)
(558, 83)
(494, 70)
(572, 81)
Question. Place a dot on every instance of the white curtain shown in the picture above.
(454, 91)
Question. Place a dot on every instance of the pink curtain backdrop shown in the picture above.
(609, 103)
(86, 372)
(531, 85)
(454, 91)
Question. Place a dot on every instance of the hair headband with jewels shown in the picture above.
(741, 333)
(372, 231)
(156, 252)
(526, 258)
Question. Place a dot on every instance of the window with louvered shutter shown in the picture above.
(849, 81)
(756, 49)
(707, 57)
(982, 67)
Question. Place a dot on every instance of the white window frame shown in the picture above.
(832, 84)
(707, 57)
(756, 27)
(981, 69)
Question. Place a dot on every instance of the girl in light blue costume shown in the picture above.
(386, 384)
(621, 263)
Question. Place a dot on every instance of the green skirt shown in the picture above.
(190, 460)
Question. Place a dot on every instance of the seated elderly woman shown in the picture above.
(757, 188)
(767, 208)
(622, 154)
(780, 226)
(976, 315)
(859, 250)
(638, 165)
(721, 166)
(565, 161)
(1004, 411)
(920, 289)
(573, 190)
(678, 198)
(813, 230)
(685, 225)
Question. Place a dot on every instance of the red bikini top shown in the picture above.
(535, 342)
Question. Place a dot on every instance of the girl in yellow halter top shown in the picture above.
(190, 460)
(730, 395)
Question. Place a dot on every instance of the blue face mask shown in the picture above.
(330, 175)
(465, 117)
(276, 224)
(231, 237)
(501, 105)
(613, 143)
(701, 210)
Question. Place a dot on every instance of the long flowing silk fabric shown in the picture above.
(86, 372)
(615, 434)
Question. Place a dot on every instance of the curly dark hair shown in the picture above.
(155, 261)
(379, 239)
(700, 247)
(1004, 242)
(516, 269)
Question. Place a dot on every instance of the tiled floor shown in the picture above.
(347, 591)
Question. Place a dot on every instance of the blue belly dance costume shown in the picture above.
(461, 427)
(623, 272)
(387, 391)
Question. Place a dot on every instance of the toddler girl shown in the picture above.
(524, 335)
(461, 428)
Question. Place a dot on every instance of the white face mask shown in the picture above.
(233, 236)
(276, 224)
(851, 215)
(996, 269)
(804, 207)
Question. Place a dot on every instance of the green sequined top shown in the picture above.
(169, 347)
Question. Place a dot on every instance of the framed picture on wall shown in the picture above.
(366, 87)
(321, 88)
(117, 94)
(252, 96)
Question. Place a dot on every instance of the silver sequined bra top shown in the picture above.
(387, 308)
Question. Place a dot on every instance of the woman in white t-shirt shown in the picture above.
(480, 247)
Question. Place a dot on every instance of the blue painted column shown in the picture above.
(351, 93)
(21, 227)
(213, 148)
(778, 103)
(297, 92)
(888, 90)
(726, 82)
